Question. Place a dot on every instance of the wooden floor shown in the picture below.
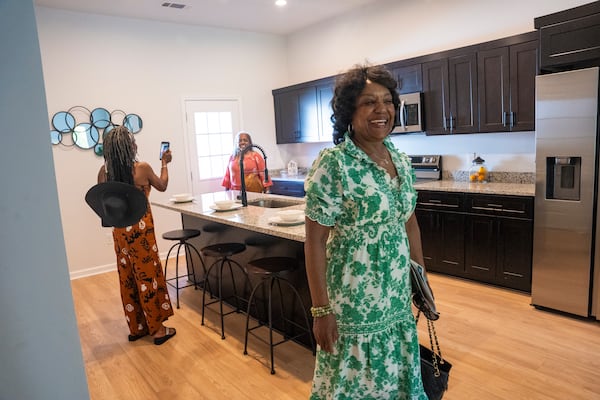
(500, 347)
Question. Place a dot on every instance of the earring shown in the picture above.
(350, 129)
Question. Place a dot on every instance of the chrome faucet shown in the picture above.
(242, 153)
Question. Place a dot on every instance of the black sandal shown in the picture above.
(133, 338)
(169, 333)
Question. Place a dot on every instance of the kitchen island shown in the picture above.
(252, 225)
(257, 227)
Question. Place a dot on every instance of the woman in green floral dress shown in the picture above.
(361, 232)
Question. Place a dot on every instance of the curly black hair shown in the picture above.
(347, 89)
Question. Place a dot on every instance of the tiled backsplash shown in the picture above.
(494, 176)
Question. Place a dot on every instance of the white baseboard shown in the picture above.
(101, 269)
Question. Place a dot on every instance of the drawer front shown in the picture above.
(441, 201)
(571, 43)
(505, 206)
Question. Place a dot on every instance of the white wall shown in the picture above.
(40, 352)
(147, 68)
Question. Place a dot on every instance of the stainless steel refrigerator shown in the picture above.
(566, 240)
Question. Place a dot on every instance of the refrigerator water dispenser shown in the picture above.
(563, 177)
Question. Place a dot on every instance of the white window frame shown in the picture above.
(207, 104)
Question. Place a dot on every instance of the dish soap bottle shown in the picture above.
(478, 172)
(292, 168)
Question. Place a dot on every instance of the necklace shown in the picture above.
(380, 160)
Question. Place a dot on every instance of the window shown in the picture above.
(214, 138)
(211, 127)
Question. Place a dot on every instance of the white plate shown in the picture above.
(186, 200)
(279, 222)
(233, 207)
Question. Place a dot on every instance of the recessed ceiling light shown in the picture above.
(280, 3)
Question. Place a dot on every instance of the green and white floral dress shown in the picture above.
(377, 354)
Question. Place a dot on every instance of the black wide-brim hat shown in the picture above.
(118, 204)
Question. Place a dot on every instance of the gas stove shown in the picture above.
(427, 167)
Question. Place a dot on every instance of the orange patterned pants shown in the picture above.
(144, 291)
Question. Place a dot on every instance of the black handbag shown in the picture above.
(434, 369)
(422, 296)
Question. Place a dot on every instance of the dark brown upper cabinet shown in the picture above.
(486, 87)
(570, 38)
(450, 94)
(302, 112)
(324, 96)
(409, 77)
(506, 87)
(296, 115)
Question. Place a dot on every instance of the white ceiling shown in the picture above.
(250, 15)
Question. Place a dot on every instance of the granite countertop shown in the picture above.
(512, 189)
(253, 218)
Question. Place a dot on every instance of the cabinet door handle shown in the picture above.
(504, 118)
(438, 204)
(402, 112)
(498, 207)
(512, 119)
(486, 208)
(513, 211)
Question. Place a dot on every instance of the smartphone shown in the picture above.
(164, 146)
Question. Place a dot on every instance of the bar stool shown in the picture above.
(182, 236)
(271, 271)
(223, 252)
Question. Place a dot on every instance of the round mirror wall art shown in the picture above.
(86, 135)
(100, 118)
(63, 122)
(55, 137)
(89, 128)
(133, 122)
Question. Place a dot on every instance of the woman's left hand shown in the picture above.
(326, 332)
(167, 157)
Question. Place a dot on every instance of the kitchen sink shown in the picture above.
(273, 203)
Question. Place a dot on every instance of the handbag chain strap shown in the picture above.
(433, 335)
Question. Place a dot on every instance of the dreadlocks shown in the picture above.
(119, 155)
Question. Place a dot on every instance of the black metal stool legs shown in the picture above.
(305, 330)
(188, 248)
(220, 265)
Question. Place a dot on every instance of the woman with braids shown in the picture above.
(144, 292)
(361, 232)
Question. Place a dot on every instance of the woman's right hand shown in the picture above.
(326, 332)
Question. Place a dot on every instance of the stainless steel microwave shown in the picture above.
(409, 116)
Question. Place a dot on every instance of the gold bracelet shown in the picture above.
(164, 166)
(321, 311)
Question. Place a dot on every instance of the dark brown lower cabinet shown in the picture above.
(443, 240)
(487, 238)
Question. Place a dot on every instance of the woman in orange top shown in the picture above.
(254, 168)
